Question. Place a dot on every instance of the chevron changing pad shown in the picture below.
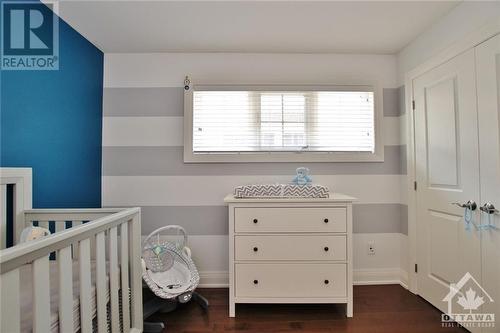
(281, 191)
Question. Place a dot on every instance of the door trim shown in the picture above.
(468, 42)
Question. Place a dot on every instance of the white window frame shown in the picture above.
(305, 156)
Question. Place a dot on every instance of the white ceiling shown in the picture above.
(252, 26)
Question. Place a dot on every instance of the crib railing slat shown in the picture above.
(3, 216)
(41, 295)
(135, 271)
(60, 225)
(43, 224)
(75, 245)
(113, 280)
(124, 277)
(65, 290)
(85, 286)
(75, 223)
(10, 317)
(74, 251)
(101, 283)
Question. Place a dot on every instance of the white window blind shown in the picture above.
(283, 121)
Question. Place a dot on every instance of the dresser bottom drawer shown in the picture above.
(290, 280)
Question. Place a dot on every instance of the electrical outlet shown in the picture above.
(371, 248)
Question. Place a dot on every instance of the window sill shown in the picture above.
(274, 157)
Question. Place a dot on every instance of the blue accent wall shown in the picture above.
(52, 121)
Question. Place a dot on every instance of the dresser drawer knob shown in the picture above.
(255, 249)
(327, 282)
(326, 249)
(325, 220)
(255, 220)
(255, 281)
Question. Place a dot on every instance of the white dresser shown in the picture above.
(290, 251)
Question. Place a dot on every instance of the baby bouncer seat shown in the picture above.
(169, 273)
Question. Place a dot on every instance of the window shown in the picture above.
(282, 121)
(236, 124)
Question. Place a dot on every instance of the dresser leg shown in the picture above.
(232, 309)
(349, 309)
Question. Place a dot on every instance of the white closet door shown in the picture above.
(447, 171)
(488, 100)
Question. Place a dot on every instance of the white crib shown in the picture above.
(93, 283)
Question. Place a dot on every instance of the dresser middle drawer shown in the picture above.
(290, 247)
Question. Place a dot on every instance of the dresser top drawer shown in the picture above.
(290, 219)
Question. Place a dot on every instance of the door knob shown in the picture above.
(488, 208)
(471, 204)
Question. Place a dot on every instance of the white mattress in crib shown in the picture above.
(26, 294)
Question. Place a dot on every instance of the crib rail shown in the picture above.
(84, 214)
(57, 220)
(112, 236)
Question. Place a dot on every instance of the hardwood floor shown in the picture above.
(377, 309)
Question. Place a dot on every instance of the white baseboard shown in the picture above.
(220, 279)
(380, 276)
(214, 279)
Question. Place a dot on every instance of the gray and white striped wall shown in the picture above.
(143, 152)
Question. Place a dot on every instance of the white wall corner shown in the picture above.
(465, 19)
